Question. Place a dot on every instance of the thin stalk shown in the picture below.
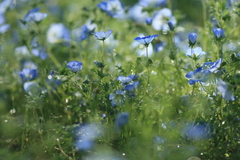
(103, 48)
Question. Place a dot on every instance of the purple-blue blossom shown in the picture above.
(102, 35)
(218, 33)
(192, 39)
(113, 8)
(28, 74)
(145, 40)
(74, 66)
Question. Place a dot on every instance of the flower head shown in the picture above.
(171, 25)
(145, 40)
(32, 88)
(213, 66)
(113, 8)
(192, 39)
(148, 20)
(74, 66)
(102, 35)
(218, 33)
(34, 16)
(198, 75)
(28, 74)
(57, 33)
(195, 53)
(223, 88)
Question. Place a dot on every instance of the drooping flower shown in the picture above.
(192, 39)
(121, 120)
(113, 8)
(102, 35)
(57, 33)
(218, 33)
(223, 88)
(198, 75)
(195, 53)
(145, 40)
(74, 66)
(160, 19)
(28, 74)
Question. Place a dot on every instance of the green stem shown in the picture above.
(103, 48)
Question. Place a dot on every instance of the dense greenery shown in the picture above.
(70, 91)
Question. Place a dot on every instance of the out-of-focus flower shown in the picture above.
(195, 53)
(113, 8)
(84, 31)
(197, 131)
(4, 5)
(198, 75)
(159, 46)
(34, 16)
(171, 25)
(136, 14)
(145, 40)
(52, 81)
(148, 20)
(28, 74)
(155, 3)
(223, 88)
(117, 98)
(102, 35)
(28, 64)
(85, 136)
(74, 66)
(121, 120)
(124, 79)
(40, 52)
(160, 19)
(132, 86)
(22, 52)
(3, 27)
(57, 33)
(32, 88)
(218, 33)
(192, 39)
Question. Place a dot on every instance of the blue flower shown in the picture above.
(74, 66)
(113, 8)
(159, 46)
(121, 120)
(117, 98)
(195, 53)
(145, 40)
(218, 33)
(39, 52)
(102, 35)
(34, 16)
(213, 66)
(148, 21)
(225, 90)
(132, 86)
(124, 79)
(198, 75)
(192, 39)
(57, 33)
(32, 88)
(171, 25)
(197, 131)
(28, 74)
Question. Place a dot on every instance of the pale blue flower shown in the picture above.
(117, 98)
(113, 8)
(32, 88)
(223, 88)
(40, 52)
(218, 33)
(192, 38)
(137, 14)
(132, 86)
(195, 53)
(57, 33)
(121, 120)
(34, 16)
(159, 46)
(102, 35)
(28, 74)
(145, 40)
(74, 66)
(213, 66)
(198, 75)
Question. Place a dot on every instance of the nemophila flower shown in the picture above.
(3, 27)
(28, 64)
(4, 5)
(195, 53)
(192, 39)
(137, 14)
(159, 46)
(218, 33)
(22, 52)
(84, 31)
(213, 66)
(34, 16)
(85, 136)
(28, 74)
(148, 20)
(171, 25)
(160, 19)
(155, 3)
(198, 75)
(223, 88)
(40, 52)
(117, 98)
(57, 33)
(74, 66)
(132, 86)
(121, 120)
(102, 35)
(32, 88)
(113, 8)
(145, 40)
(197, 131)
(124, 79)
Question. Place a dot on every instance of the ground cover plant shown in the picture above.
(120, 80)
